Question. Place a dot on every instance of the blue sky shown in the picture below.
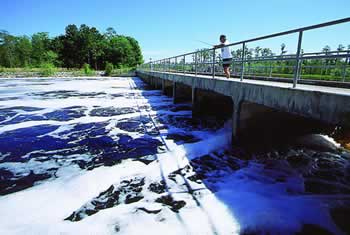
(166, 28)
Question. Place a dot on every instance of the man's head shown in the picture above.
(222, 38)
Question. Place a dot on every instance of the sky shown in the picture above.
(166, 28)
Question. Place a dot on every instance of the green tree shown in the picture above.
(73, 49)
(23, 51)
(283, 49)
(90, 44)
(340, 47)
(266, 52)
(249, 53)
(40, 46)
(118, 51)
(69, 51)
(257, 51)
(136, 55)
(109, 69)
(110, 32)
(7, 49)
(326, 49)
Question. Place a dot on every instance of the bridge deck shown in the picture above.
(327, 104)
(305, 87)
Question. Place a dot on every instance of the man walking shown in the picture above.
(225, 54)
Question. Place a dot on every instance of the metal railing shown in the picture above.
(207, 61)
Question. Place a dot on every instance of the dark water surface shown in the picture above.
(146, 154)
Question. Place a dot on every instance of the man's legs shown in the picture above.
(227, 71)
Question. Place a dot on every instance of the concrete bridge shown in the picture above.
(243, 99)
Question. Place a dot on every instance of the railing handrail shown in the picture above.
(242, 58)
(302, 29)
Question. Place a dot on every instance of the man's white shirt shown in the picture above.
(225, 51)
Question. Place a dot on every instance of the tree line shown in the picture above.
(73, 49)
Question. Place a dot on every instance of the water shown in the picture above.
(112, 155)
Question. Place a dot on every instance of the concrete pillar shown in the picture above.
(145, 79)
(193, 96)
(155, 79)
(167, 87)
(197, 102)
(236, 119)
(155, 82)
(174, 93)
(160, 83)
(182, 93)
(151, 81)
(163, 86)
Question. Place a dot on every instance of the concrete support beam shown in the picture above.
(211, 104)
(168, 87)
(156, 82)
(318, 103)
(236, 120)
(174, 92)
(181, 93)
(193, 96)
(163, 86)
(323, 103)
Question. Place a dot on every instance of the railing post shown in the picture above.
(183, 64)
(168, 65)
(242, 65)
(195, 63)
(298, 60)
(175, 65)
(344, 68)
(213, 64)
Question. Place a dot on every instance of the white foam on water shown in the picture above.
(331, 140)
(242, 199)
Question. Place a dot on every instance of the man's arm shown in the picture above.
(219, 45)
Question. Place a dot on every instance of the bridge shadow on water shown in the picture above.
(267, 182)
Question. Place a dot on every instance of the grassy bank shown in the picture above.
(48, 70)
(124, 72)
